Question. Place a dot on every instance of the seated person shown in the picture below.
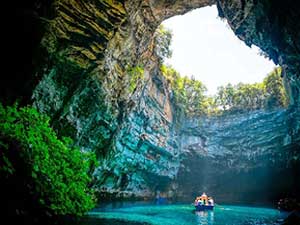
(200, 202)
(210, 201)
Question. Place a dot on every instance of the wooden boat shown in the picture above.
(204, 207)
(204, 202)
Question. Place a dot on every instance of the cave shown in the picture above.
(91, 67)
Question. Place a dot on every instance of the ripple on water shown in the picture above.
(185, 215)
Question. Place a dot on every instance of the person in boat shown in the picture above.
(210, 201)
(198, 201)
(203, 197)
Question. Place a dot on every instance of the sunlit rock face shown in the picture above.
(252, 157)
(82, 80)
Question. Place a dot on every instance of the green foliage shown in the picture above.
(241, 97)
(163, 38)
(225, 96)
(244, 97)
(275, 92)
(189, 97)
(135, 75)
(57, 169)
(189, 94)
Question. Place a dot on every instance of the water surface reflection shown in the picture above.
(204, 217)
(183, 214)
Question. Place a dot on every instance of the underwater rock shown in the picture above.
(292, 219)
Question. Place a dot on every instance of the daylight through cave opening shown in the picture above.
(217, 127)
(212, 69)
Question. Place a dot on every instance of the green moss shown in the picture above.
(135, 75)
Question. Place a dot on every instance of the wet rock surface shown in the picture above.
(293, 218)
(81, 78)
(288, 204)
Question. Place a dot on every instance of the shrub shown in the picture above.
(54, 171)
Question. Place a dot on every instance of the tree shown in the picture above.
(249, 96)
(225, 96)
(163, 38)
(244, 97)
(276, 95)
(189, 93)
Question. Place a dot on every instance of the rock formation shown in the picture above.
(241, 157)
(84, 76)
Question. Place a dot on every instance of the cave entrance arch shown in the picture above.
(202, 46)
(263, 24)
(270, 25)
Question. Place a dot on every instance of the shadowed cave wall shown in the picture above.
(74, 64)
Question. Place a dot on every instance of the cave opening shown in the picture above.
(203, 46)
(201, 49)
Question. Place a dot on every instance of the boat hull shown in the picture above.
(204, 207)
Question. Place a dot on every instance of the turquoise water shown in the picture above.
(184, 214)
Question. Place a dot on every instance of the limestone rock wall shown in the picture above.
(83, 81)
(243, 156)
(146, 153)
(86, 87)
